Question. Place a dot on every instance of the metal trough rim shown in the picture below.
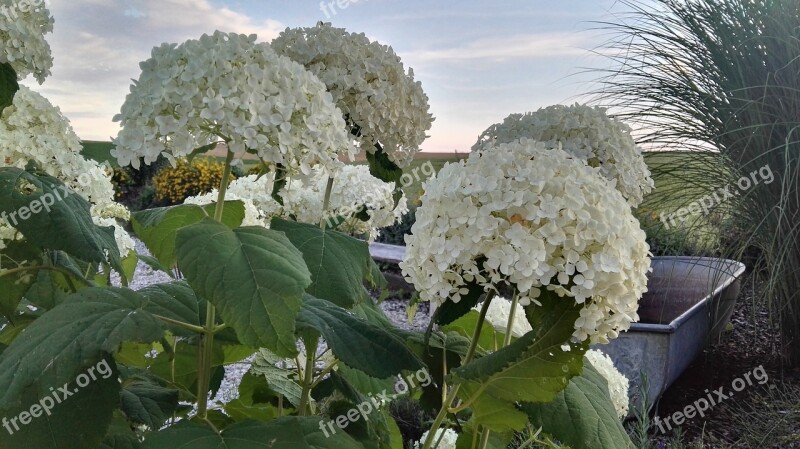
(733, 275)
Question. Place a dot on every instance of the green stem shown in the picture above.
(437, 423)
(308, 376)
(327, 201)
(324, 373)
(206, 350)
(63, 271)
(511, 316)
(223, 187)
(484, 439)
(181, 324)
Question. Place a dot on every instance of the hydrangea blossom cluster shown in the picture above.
(448, 440)
(531, 217)
(586, 133)
(617, 383)
(259, 206)
(22, 36)
(368, 83)
(354, 190)
(228, 87)
(8, 234)
(498, 313)
(32, 129)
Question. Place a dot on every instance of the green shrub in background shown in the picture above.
(132, 187)
(172, 185)
(395, 234)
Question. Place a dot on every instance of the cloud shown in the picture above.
(98, 44)
(517, 48)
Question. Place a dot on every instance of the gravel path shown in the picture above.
(395, 309)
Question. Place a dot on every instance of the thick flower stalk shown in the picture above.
(530, 217)
(617, 383)
(32, 129)
(380, 100)
(22, 33)
(226, 87)
(586, 133)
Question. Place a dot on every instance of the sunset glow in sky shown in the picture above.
(478, 61)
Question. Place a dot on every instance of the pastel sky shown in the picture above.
(478, 61)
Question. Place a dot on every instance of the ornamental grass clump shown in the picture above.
(226, 87)
(719, 81)
(381, 102)
(531, 218)
(584, 132)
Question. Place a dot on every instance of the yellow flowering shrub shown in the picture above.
(174, 184)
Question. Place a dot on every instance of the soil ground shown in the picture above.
(763, 416)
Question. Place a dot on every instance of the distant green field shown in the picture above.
(99, 151)
(676, 174)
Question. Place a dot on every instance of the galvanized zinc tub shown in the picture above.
(688, 303)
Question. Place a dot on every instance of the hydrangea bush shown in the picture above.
(586, 133)
(253, 278)
(381, 101)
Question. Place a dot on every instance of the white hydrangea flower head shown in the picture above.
(531, 217)
(584, 132)
(8, 234)
(618, 384)
(448, 440)
(125, 243)
(227, 86)
(259, 207)
(32, 129)
(354, 190)
(22, 36)
(368, 83)
(498, 314)
(111, 210)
